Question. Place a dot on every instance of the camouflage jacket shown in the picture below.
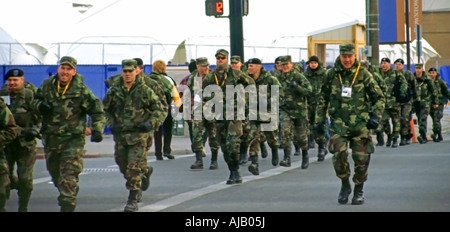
(349, 115)
(69, 111)
(8, 127)
(164, 83)
(412, 83)
(442, 90)
(265, 79)
(126, 109)
(426, 92)
(293, 100)
(315, 77)
(390, 77)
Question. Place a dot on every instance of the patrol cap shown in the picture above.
(347, 48)
(235, 59)
(285, 59)
(129, 64)
(15, 72)
(202, 61)
(385, 59)
(432, 69)
(139, 61)
(254, 61)
(68, 60)
(399, 60)
(222, 52)
(419, 65)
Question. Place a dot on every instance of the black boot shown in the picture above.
(311, 141)
(235, 176)
(263, 147)
(67, 208)
(394, 143)
(243, 158)
(286, 162)
(297, 150)
(275, 156)
(254, 167)
(380, 139)
(305, 159)
(231, 169)
(358, 195)
(389, 140)
(408, 139)
(146, 179)
(214, 165)
(346, 189)
(439, 137)
(198, 161)
(402, 140)
(24, 198)
(322, 152)
(132, 203)
(422, 138)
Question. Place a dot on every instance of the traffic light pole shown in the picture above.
(236, 28)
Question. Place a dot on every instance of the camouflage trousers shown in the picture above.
(405, 118)
(293, 130)
(262, 136)
(320, 139)
(4, 182)
(362, 147)
(228, 138)
(422, 112)
(436, 115)
(199, 128)
(132, 162)
(64, 160)
(394, 115)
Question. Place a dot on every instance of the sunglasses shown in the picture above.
(221, 57)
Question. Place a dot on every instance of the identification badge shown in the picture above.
(7, 99)
(346, 92)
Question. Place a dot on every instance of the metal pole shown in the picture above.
(408, 47)
(236, 28)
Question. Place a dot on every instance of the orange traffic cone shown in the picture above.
(413, 131)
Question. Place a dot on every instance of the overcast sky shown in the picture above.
(170, 21)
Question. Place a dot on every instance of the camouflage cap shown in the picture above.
(68, 60)
(222, 52)
(348, 48)
(286, 59)
(419, 65)
(129, 64)
(235, 59)
(202, 61)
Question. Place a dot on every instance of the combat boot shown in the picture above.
(146, 179)
(380, 139)
(322, 152)
(67, 207)
(394, 143)
(286, 162)
(243, 158)
(263, 147)
(253, 168)
(439, 137)
(297, 150)
(358, 195)
(198, 161)
(132, 203)
(24, 198)
(237, 175)
(346, 189)
(305, 159)
(3, 202)
(139, 196)
(408, 139)
(422, 138)
(389, 140)
(275, 156)
(214, 165)
(311, 141)
(402, 140)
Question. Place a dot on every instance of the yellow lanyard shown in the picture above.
(354, 78)
(65, 88)
(224, 79)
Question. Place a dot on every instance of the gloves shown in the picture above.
(373, 121)
(293, 84)
(96, 136)
(145, 126)
(45, 108)
(31, 134)
(320, 128)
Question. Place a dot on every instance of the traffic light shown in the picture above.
(214, 7)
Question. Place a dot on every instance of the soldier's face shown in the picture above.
(313, 64)
(15, 83)
(221, 62)
(129, 76)
(236, 65)
(253, 69)
(347, 60)
(398, 66)
(66, 73)
(287, 67)
(202, 70)
(385, 66)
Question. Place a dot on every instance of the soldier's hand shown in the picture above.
(145, 126)
(96, 136)
(293, 84)
(31, 134)
(320, 128)
(373, 121)
(45, 108)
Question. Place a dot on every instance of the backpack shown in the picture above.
(399, 96)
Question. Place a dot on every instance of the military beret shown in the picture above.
(68, 60)
(129, 64)
(202, 61)
(348, 48)
(139, 61)
(432, 69)
(254, 61)
(278, 58)
(15, 72)
(385, 59)
(399, 60)
(222, 52)
(286, 59)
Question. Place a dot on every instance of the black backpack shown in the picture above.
(402, 98)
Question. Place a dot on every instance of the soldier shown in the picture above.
(227, 82)
(22, 150)
(406, 108)
(294, 90)
(9, 133)
(262, 78)
(354, 102)
(64, 102)
(438, 112)
(132, 108)
(314, 73)
(277, 67)
(426, 98)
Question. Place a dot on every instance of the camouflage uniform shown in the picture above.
(7, 134)
(22, 150)
(294, 90)
(128, 113)
(348, 95)
(426, 97)
(438, 113)
(63, 129)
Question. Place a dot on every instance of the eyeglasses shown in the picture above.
(221, 57)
